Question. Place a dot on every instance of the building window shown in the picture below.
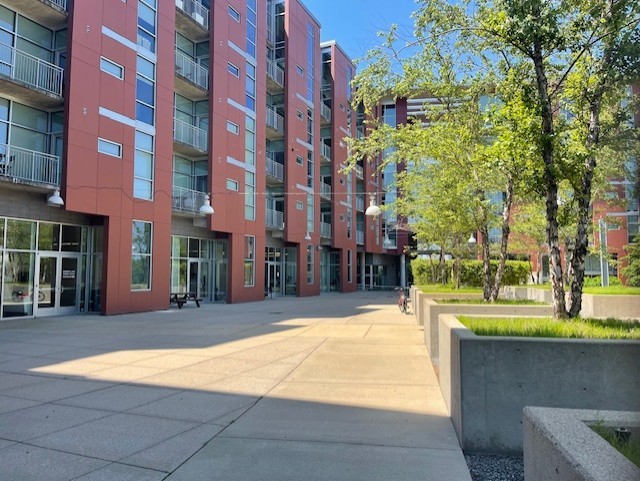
(309, 264)
(349, 263)
(145, 91)
(233, 69)
(233, 13)
(299, 160)
(109, 148)
(250, 177)
(300, 115)
(300, 70)
(251, 28)
(310, 215)
(147, 24)
(143, 166)
(249, 260)
(111, 68)
(141, 255)
(233, 128)
(299, 205)
(232, 184)
(311, 50)
(250, 97)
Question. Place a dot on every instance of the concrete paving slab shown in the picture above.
(262, 460)
(40, 420)
(119, 398)
(68, 368)
(275, 371)
(126, 373)
(30, 463)
(369, 348)
(54, 389)
(114, 437)
(10, 380)
(408, 333)
(334, 330)
(122, 472)
(285, 419)
(4, 444)
(225, 366)
(181, 379)
(194, 406)
(327, 367)
(168, 455)
(170, 361)
(8, 404)
(244, 384)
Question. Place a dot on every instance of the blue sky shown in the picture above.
(354, 23)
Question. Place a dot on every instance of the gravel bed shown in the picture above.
(495, 468)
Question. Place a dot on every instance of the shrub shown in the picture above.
(425, 272)
(596, 281)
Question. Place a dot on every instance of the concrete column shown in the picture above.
(403, 271)
(363, 256)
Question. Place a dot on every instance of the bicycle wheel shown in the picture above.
(40, 296)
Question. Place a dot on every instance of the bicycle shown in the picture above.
(403, 300)
(20, 295)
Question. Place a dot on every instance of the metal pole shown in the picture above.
(604, 266)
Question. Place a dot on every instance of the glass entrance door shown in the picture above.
(199, 278)
(274, 279)
(56, 285)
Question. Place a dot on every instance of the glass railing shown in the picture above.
(274, 169)
(274, 219)
(198, 12)
(31, 70)
(275, 72)
(325, 190)
(325, 151)
(325, 229)
(190, 135)
(359, 172)
(29, 165)
(325, 112)
(59, 3)
(360, 202)
(275, 120)
(187, 200)
(187, 68)
(360, 237)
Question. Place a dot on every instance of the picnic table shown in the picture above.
(181, 298)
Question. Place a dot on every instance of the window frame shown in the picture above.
(111, 63)
(112, 143)
(135, 254)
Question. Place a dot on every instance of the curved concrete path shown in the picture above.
(336, 387)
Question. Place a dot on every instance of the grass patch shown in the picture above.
(630, 449)
(603, 291)
(501, 302)
(436, 288)
(548, 327)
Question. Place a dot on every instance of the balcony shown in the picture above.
(360, 133)
(275, 170)
(192, 80)
(325, 113)
(360, 237)
(359, 172)
(29, 78)
(275, 76)
(187, 200)
(325, 152)
(29, 166)
(325, 190)
(360, 203)
(325, 230)
(50, 13)
(189, 139)
(274, 219)
(275, 124)
(193, 19)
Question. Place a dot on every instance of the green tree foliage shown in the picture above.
(632, 270)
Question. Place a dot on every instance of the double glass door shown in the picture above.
(273, 279)
(199, 278)
(56, 285)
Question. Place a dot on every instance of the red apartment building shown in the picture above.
(122, 120)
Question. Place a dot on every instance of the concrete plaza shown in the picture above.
(336, 387)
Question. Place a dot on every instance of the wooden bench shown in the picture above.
(181, 298)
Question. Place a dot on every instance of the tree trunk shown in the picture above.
(486, 262)
(551, 185)
(504, 241)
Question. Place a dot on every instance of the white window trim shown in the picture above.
(114, 64)
(233, 182)
(229, 64)
(150, 255)
(119, 146)
(233, 127)
(237, 17)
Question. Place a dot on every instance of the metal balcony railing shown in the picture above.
(190, 135)
(360, 202)
(359, 133)
(325, 112)
(325, 191)
(60, 3)
(360, 237)
(30, 70)
(198, 12)
(275, 72)
(274, 169)
(274, 219)
(325, 230)
(187, 200)
(325, 151)
(29, 165)
(187, 68)
(359, 172)
(275, 120)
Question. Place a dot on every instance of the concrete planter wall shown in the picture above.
(559, 445)
(593, 305)
(431, 310)
(487, 381)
